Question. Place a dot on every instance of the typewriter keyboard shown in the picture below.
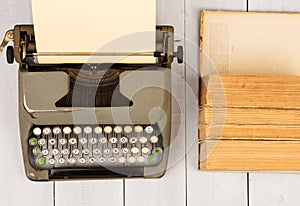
(81, 146)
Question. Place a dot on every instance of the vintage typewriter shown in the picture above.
(82, 121)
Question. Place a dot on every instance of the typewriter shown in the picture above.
(83, 121)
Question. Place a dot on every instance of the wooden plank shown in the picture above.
(210, 185)
(16, 189)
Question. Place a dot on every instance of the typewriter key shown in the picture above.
(124, 140)
(127, 129)
(102, 160)
(135, 150)
(141, 159)
(62, 141)
(61, 160)
(113, 140)
(88, 130)
(158, 150)
(151, 158)
(42, 142)
(65, 152)
(149, 129)
(145, 150)
(55, 152)
(45, 152)
(112, 159)
(93, 140)
(56, 130)
(154, 139)
(96, 151)
(77, 130)
(41, 161)
(138, 129)
(51, 161)
(107, 129)
(36, 151)
(52, 141)
(125, 150)
(67, 130)
(133, 140)
(72, 160)
(37, 131)
(73, 141)
(118, 129)
(75, 151)
(92, 160)
(143, 140)
(33, 141)
(122, 159)
(86, 151)
(131, 159)
(82, 160)
(106, 151)
(116, 150)
(98, 130)
(103, 140)
(46, 131)
(83, 141)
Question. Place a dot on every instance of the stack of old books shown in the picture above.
(249, 123)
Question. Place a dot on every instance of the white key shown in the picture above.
(107, 129)
(56, 130)
(118, 129)
(141, 159)
(45, 152)
(75, 151)
(73, 140)
(138, 129)
(145, 150)
(154, 139)
(103, 140)
(116, 150)
(83, 140)
(149, 129)
(65, 151)
(92, 160)
(77, 130)
(52, 141)
(88, 130)
(98, 130)
(124, 140)
(102, 160)
(72, 160)
(135, 150)
(96, 151)
(133, 140)
(46, 131)
(125, 150)
(143, 140)
(42, 142)
(106, 151)
(37, 131)
(93, 141)
(61, 160)
(122, 159)
(112, 159)
(113, 140)
(51, 161)
(63, 141)
(86, 151)
(55, 151)
(127, 129)
(67, 130)
(131, 159)
(82, 160)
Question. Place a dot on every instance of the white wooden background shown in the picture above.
(183, 184)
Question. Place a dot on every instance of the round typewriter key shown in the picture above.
(82, 160)
(42, 142)
(138, 129)
(88, 130)
(56, 130)
(62, 141)
(158, 150)
(67, 130)
(83, 141)
(55, 152)
(131, 159)
(65, 152)
(135, 150)
(106, 151)
(113, 140)
(97, 130)
(72, 160)
(45, 152)
(125, 150)
(151, 158)
(149, 129)
(103, 140)
(118, 129)
(96, 151)
(112, 159)
(133, 140)
(33, 141)
(75, 151)
(37, 131)
(127, 129)
(41, 161)
(61, 160)
(46, 131)
(145, 150)
(52, 141)
(102, 160)
(143, 140)
(77, 130)
(107, 129)
(154, 139)
(51, 161)
(36, 151)
(123, 140)
(86, 151)
(93, 140)
(116, 150)
(73, 141)
(92, 160)
(141, 159)
(122, 159)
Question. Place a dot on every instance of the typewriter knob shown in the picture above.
(10, 54)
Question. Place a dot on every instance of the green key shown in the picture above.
(36, 151)
(151, 158)
(41, 161)
(158, 150)
(33, 141)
